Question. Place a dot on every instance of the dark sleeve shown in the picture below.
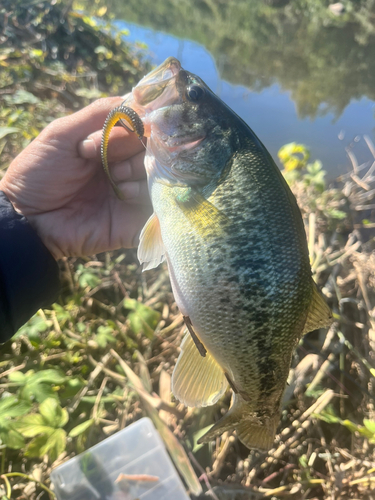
(29, 275)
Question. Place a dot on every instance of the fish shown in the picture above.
(230, 230)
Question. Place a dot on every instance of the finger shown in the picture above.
(78, 126)
(135, 192)
(122, 145)
(131, 220)
(129, 170)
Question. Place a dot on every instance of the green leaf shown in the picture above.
(11, 406)
(54, 445)
(37, 391)
(336, 214)
(89, 94)
(350, 425)
(81, 428)
(72, 386)
(101, 11)
(90, 21)
(4, 131)
(35, 445)
(38, 385)
(51, 376)
(294, 156)
(32, 425)
(21, 97)
(52, 413)
(196, 437)
(34, 327)
(17, 378)
(37, 53)
(92, 399)
(12, 439)
(62, 314)
(103, 337)
(370, 425)
(143, 319)
(87, 278)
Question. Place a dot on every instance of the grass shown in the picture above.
(102, 357)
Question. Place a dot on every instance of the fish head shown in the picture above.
(191, 133)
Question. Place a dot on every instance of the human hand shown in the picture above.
(58, 183)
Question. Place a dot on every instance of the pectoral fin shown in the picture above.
(319, 315)
(151, 250)
(202, 214)
(196, 380)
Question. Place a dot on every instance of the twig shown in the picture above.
(353, 159)
(219, 461)
(30, 478)
(360, 182)
(299, 426)
(203, 475)
(8, 487)
(78, 397)
(11, 370)
(370, 144)
(98, 398)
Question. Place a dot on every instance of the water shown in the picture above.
(326, 112)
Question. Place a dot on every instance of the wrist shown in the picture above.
(45, 233)
(29, 274)
(6, 188)
(32, 220)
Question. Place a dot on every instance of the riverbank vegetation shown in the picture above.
(102, 356)
(323, 57)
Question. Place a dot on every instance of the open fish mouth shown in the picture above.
(176, 144)
(180, 144)
(155, 90)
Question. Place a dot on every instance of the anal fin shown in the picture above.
(319, 315)
(151, 250)
(197, 380)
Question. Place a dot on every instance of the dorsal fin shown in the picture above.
(319, 315)
(196, 380)
(151, 250)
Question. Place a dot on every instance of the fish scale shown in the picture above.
(233, 237)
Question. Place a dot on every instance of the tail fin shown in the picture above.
(251, 431)
(257, 435)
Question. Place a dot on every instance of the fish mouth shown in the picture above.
(155, 90)
(173, 144)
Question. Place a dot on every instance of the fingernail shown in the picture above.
(87, 148)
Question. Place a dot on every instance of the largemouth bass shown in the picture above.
(232, 234)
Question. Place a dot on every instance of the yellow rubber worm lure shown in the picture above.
(131, 122)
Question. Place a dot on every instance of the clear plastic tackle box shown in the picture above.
(130, 465)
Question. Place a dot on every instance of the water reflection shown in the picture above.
(293, 72)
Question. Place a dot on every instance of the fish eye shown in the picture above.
(195, 92)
